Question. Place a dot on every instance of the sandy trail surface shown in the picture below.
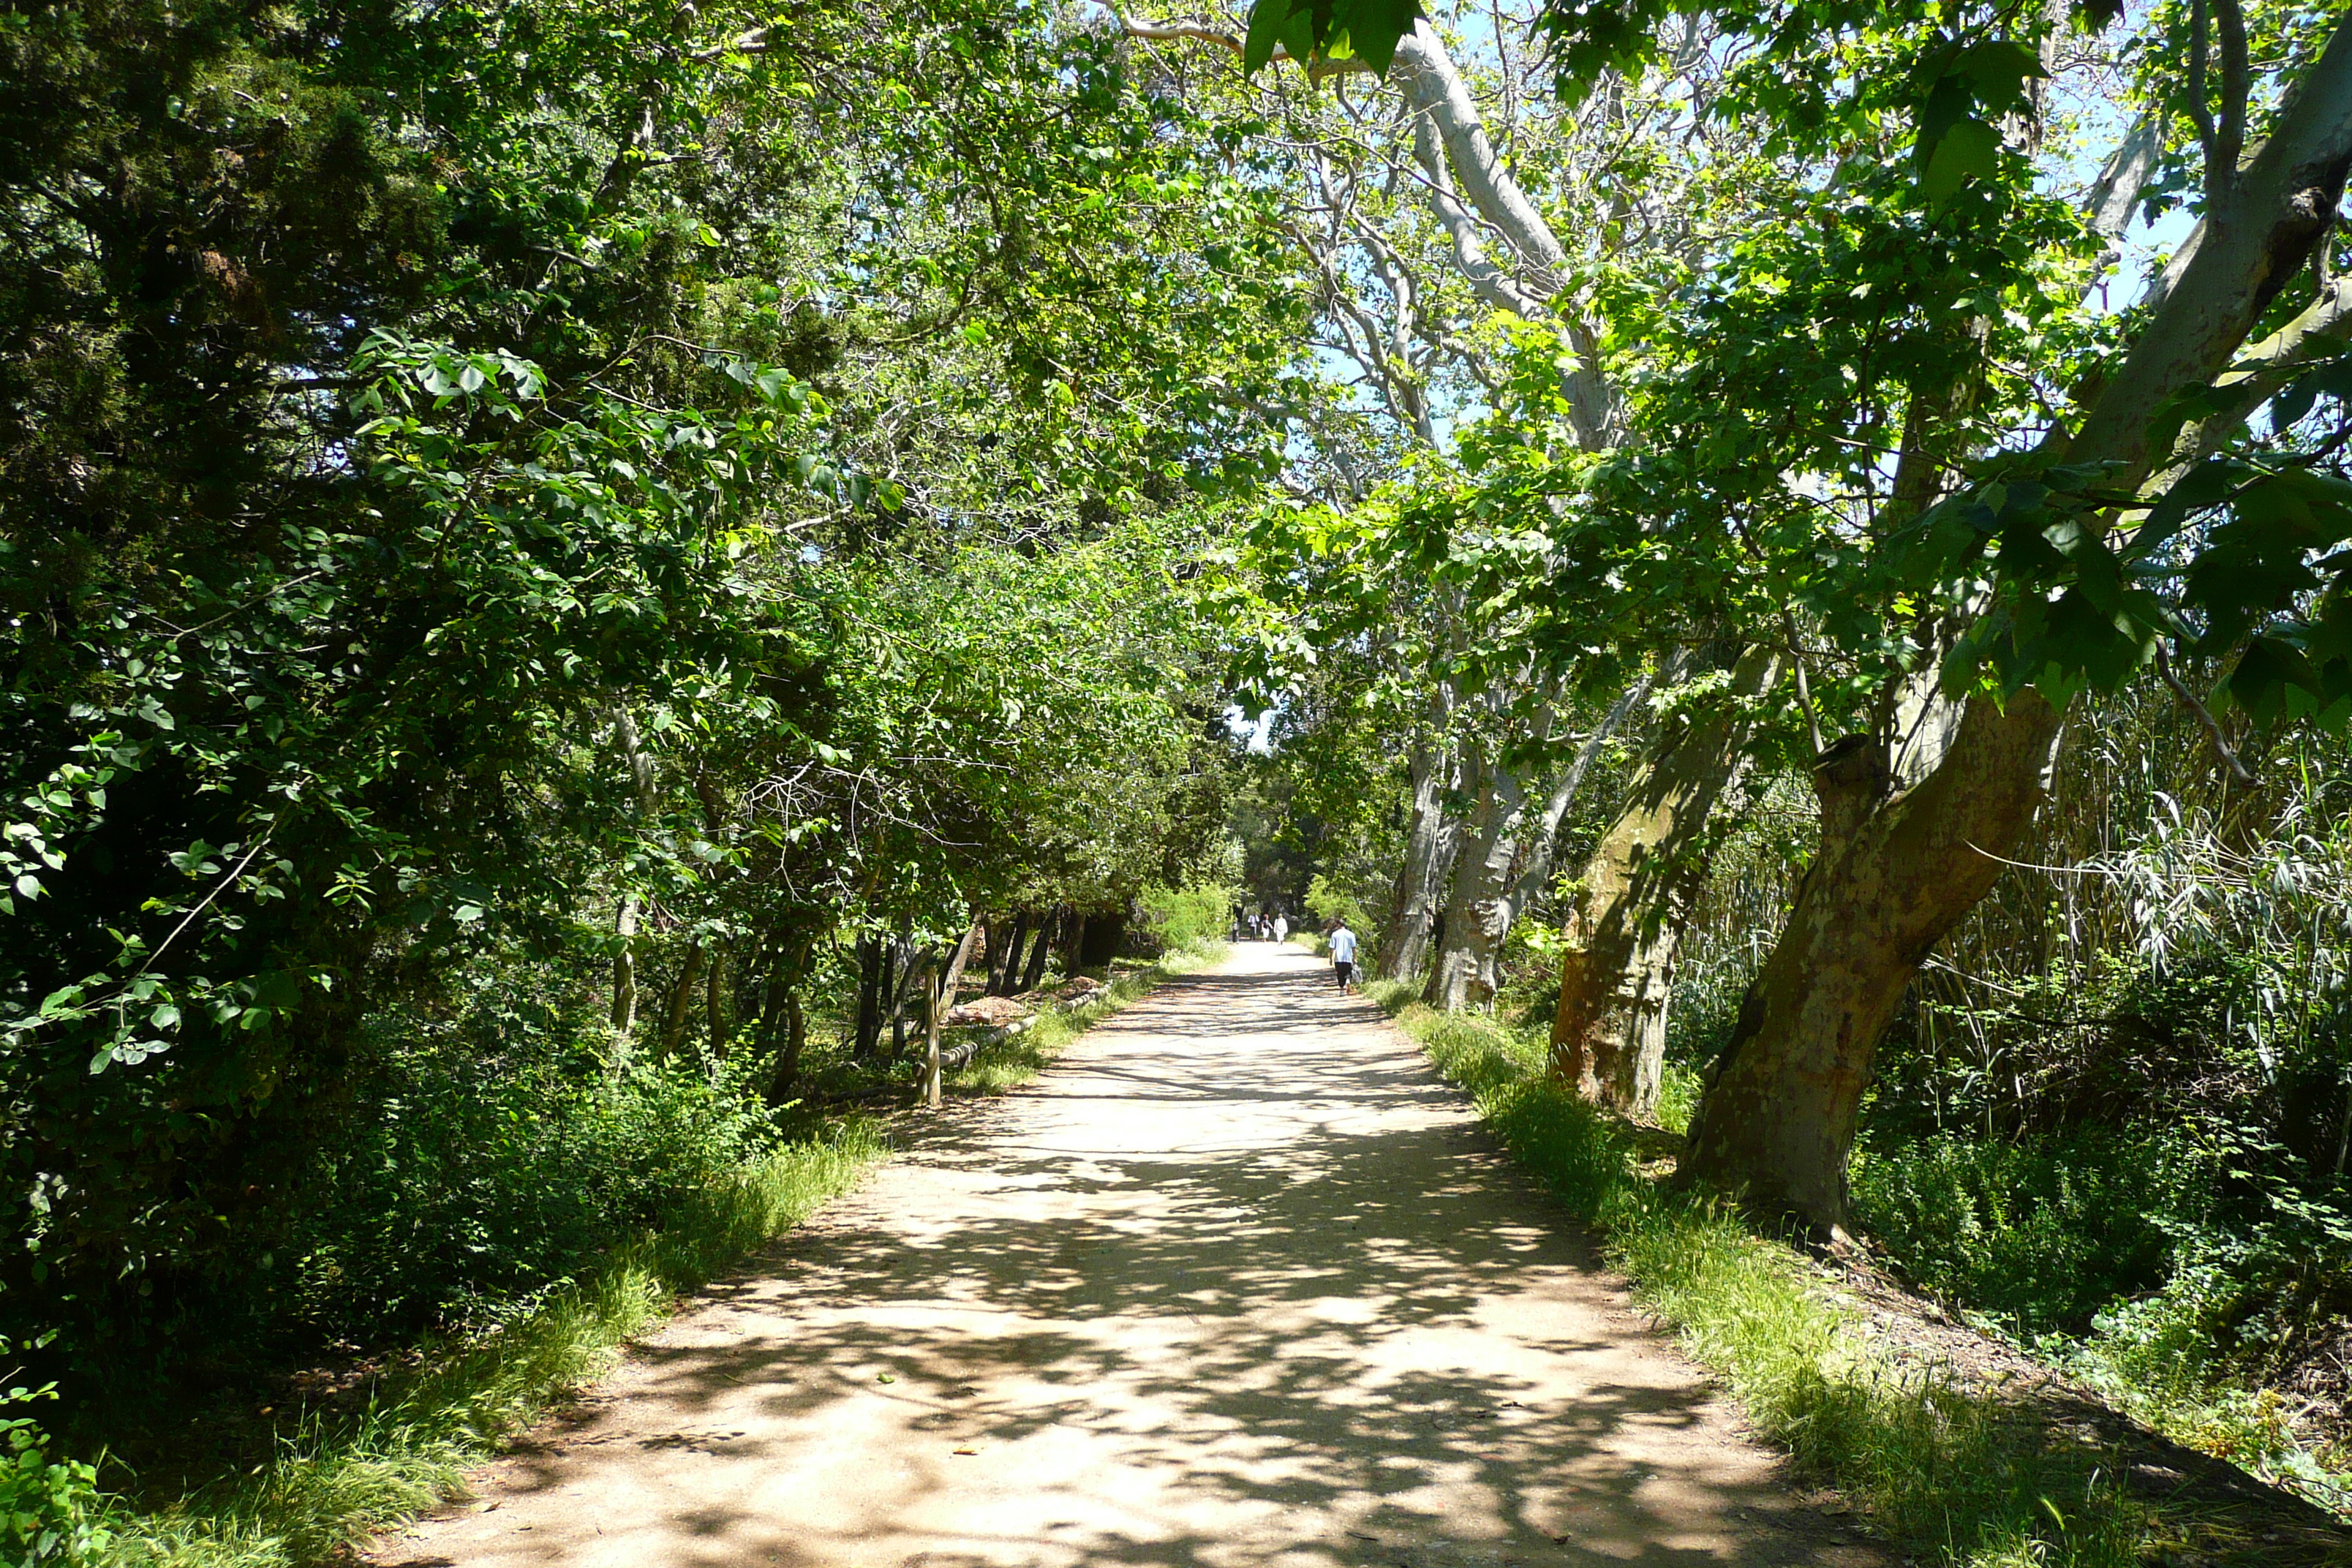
(1238, 1281)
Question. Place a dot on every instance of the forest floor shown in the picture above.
(1237, 1281)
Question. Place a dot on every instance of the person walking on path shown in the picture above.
(1343, 956)
(1281, 927)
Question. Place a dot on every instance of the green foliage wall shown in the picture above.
(474, 480)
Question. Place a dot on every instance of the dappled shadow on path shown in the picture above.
(1242, 1285)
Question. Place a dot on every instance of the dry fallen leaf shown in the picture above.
(967, 1450)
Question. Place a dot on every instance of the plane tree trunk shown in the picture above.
(783, 1019)
(872, 963)
(1004, 962)
(1035, 971)
(681, 1000)
(943, 995)
(1403, 945)
(1493, 793)
(1624, 923)
(1508, 866)
(1892, 876)
(1898, 868)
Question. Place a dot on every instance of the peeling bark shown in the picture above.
(1450, 144)
(1624, 929)
(1507, 866)
(1494, 797)
(1403, 944)
(1892, 876)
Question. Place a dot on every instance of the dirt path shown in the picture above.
(1238, 1282)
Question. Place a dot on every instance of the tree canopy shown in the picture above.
(611, 555)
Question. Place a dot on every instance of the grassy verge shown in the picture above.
(1954, 1477)
(2089, 1250)
(336, 1481)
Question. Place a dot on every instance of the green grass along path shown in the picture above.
(1240, 1280)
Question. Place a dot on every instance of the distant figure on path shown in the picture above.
(1343, 956)
(1281, 928)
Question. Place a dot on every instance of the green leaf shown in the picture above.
(2201, 487)
(1268, 18)
(2267, 674)
(1969, 151)
(1375, 27)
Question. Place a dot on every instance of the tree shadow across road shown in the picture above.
(1243, 1284)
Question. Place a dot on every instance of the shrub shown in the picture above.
(50, 1511)
(491, 1159)
(1328, 902)
(2042, 1233)
(1186, 916)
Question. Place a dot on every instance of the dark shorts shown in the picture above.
(1345, 970)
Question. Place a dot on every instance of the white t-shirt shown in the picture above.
(1343, 946)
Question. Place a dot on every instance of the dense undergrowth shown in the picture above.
(2136, 1203)
(1952, 1475)
(512, 1206)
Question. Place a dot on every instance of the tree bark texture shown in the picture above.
(1494, 794)
(1505, 867)
(784, 1020)
(1004, 954)
(943, 997)
(1895, 874)
(1403, 945)
(625, 923)
(870, 960)
(1892, 876)
(681, 1000)
(624, 966)
(912, 963)
(1035, 971)
(715, 978)
(1624, 927)
(1473, 193)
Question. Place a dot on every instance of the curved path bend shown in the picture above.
(1238, 1281)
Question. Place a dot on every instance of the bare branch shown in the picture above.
(2199, 114)
(2229, 143)
(2238, 770)
(2258, 373)
(1187, 30)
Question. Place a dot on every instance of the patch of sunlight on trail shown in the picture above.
(333, 1484)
